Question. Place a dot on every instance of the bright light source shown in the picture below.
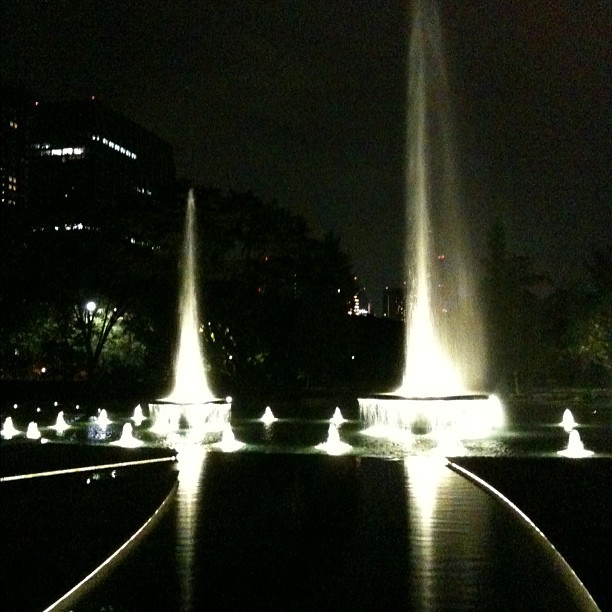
(90, 306)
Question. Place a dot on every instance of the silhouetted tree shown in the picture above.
(54, 271)
(275, 295)
(512, 312)
(579, 329)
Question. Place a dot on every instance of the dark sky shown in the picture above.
(303, 101)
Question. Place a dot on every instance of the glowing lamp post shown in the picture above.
(90, 311)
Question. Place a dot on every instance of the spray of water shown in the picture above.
(190, 380)
(443, 340)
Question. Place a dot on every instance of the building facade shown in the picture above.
(90, 165)
(15, 107)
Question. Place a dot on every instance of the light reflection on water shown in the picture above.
(447, 514)
(434, 495)
(423, 478)
(191, 461)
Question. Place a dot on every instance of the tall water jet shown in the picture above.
(190, 380)
(191, 398)
(444, 342)
(443, 350)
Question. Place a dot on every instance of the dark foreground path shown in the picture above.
(65, 508)
(312, 532)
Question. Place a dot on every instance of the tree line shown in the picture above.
(97, 301)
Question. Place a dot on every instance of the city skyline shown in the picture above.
(305, 103)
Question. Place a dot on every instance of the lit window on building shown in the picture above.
(64, 152)
(114, 146)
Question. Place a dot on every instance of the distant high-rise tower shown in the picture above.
(15, 108)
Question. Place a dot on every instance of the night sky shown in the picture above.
(303, 101)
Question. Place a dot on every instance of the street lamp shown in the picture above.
(90, 307)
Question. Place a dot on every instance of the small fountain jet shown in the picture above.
(575, 447)
(268, 416)
(8, 429)
(102, 419)
(337, 418)
(33, 433)
(60, 423)
(127, 439)
(138, 416)
(567, 422)
(333, 445)
(228, 442)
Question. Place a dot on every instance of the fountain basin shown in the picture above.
(171, 416)
(467, 416)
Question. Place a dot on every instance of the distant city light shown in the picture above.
(114, 146)
(64, 152)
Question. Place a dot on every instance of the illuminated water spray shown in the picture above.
(190, 380)
(443, 341)
(191, 402)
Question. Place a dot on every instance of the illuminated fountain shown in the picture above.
(60, 423)
(228, 442)
(337, 418)
(127, 439)
(33, 432)
(102, 419)
(567, 422)
(575, 447)
(8, 429)
(333, 445)
(191, 402)
(444, 342)
(138, 416)
(268, 416)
